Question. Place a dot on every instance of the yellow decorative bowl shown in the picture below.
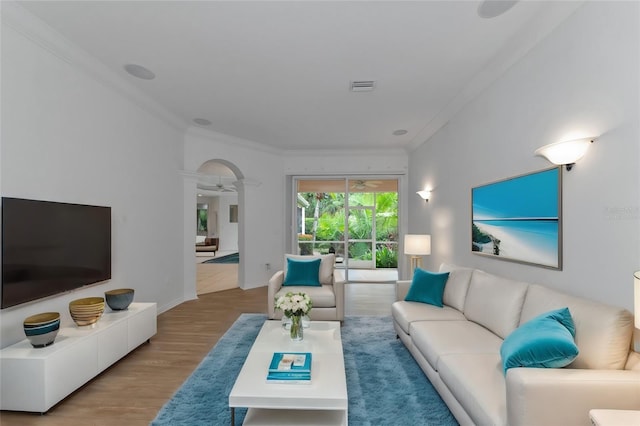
(41, 319)
(86, 311)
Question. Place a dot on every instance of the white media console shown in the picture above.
(37, 379)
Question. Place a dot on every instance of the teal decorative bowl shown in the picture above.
(42, 329)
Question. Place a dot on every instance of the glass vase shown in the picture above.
(295, 331)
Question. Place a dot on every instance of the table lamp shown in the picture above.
(416, 246)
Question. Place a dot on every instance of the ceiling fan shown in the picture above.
(365, 184)
(218, 187)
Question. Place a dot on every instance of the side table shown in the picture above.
(614, 417)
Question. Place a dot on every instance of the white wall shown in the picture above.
(227, 231)
(260, 202)
(67, 137)
(582, 80)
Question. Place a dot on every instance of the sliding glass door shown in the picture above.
(354, 217)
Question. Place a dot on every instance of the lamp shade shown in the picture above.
(567, 152)
(417, 244)
(636, 297)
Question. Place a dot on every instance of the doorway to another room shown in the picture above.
(216, 251)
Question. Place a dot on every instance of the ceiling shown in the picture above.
(278, 73)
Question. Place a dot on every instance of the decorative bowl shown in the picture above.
(119, 299)
(42, 329)
(86, 311)
(41, 319)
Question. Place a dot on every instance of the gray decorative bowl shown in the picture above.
(119, 299)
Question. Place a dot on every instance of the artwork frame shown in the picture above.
(233, 213)
(519, 219)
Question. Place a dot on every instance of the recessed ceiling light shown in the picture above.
(492, 8)
(201, 121)
(139, 71)
(399, 132)
(199, 195)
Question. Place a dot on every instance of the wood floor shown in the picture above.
(212, 277)
(132, 391)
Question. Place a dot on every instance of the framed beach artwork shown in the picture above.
(520, 219)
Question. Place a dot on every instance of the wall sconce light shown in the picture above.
(416, 246)
(425, 194)
(565, 153)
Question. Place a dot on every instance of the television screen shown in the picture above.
(50, 247)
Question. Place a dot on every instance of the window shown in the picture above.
(358, 217)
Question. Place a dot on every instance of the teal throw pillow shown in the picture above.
(545, 341)
(427, 287)
(302, 272)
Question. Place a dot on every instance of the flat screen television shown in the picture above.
(50, 247)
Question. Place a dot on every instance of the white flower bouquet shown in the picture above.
(294, 306)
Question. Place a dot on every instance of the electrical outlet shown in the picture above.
(267, 266)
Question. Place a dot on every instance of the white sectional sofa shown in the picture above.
(458, 348)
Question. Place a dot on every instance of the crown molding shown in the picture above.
(195, 176)
(31, 27)
(379, 152)
(200, 132)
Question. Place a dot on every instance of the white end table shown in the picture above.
(614, 417)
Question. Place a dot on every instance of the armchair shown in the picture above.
(328, 299)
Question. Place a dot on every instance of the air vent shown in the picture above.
(362, 86)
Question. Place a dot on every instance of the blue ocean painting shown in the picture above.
(519, 218)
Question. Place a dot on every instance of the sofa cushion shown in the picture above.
(327, 262)
(404, 313)
(321, 297)
(302, 272)
(455, 292)
(427, 287)
(544, 341)
(476, 381)
(495, 302)
(435, 339)
(603, 332)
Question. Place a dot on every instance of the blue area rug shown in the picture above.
(384, 383)
(230, 258)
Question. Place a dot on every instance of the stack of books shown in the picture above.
(290, 367)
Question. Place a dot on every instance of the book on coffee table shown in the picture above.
(290, 367)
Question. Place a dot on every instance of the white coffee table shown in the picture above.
(321, 402)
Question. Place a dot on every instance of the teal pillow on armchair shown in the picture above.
(427, 287)
(302, 272)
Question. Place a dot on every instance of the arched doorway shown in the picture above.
(219, 195)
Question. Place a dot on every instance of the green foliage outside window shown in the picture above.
(325, 220)
(202, 220)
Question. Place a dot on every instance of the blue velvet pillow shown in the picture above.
(545, 341)
(427, 287)
(302, 272)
